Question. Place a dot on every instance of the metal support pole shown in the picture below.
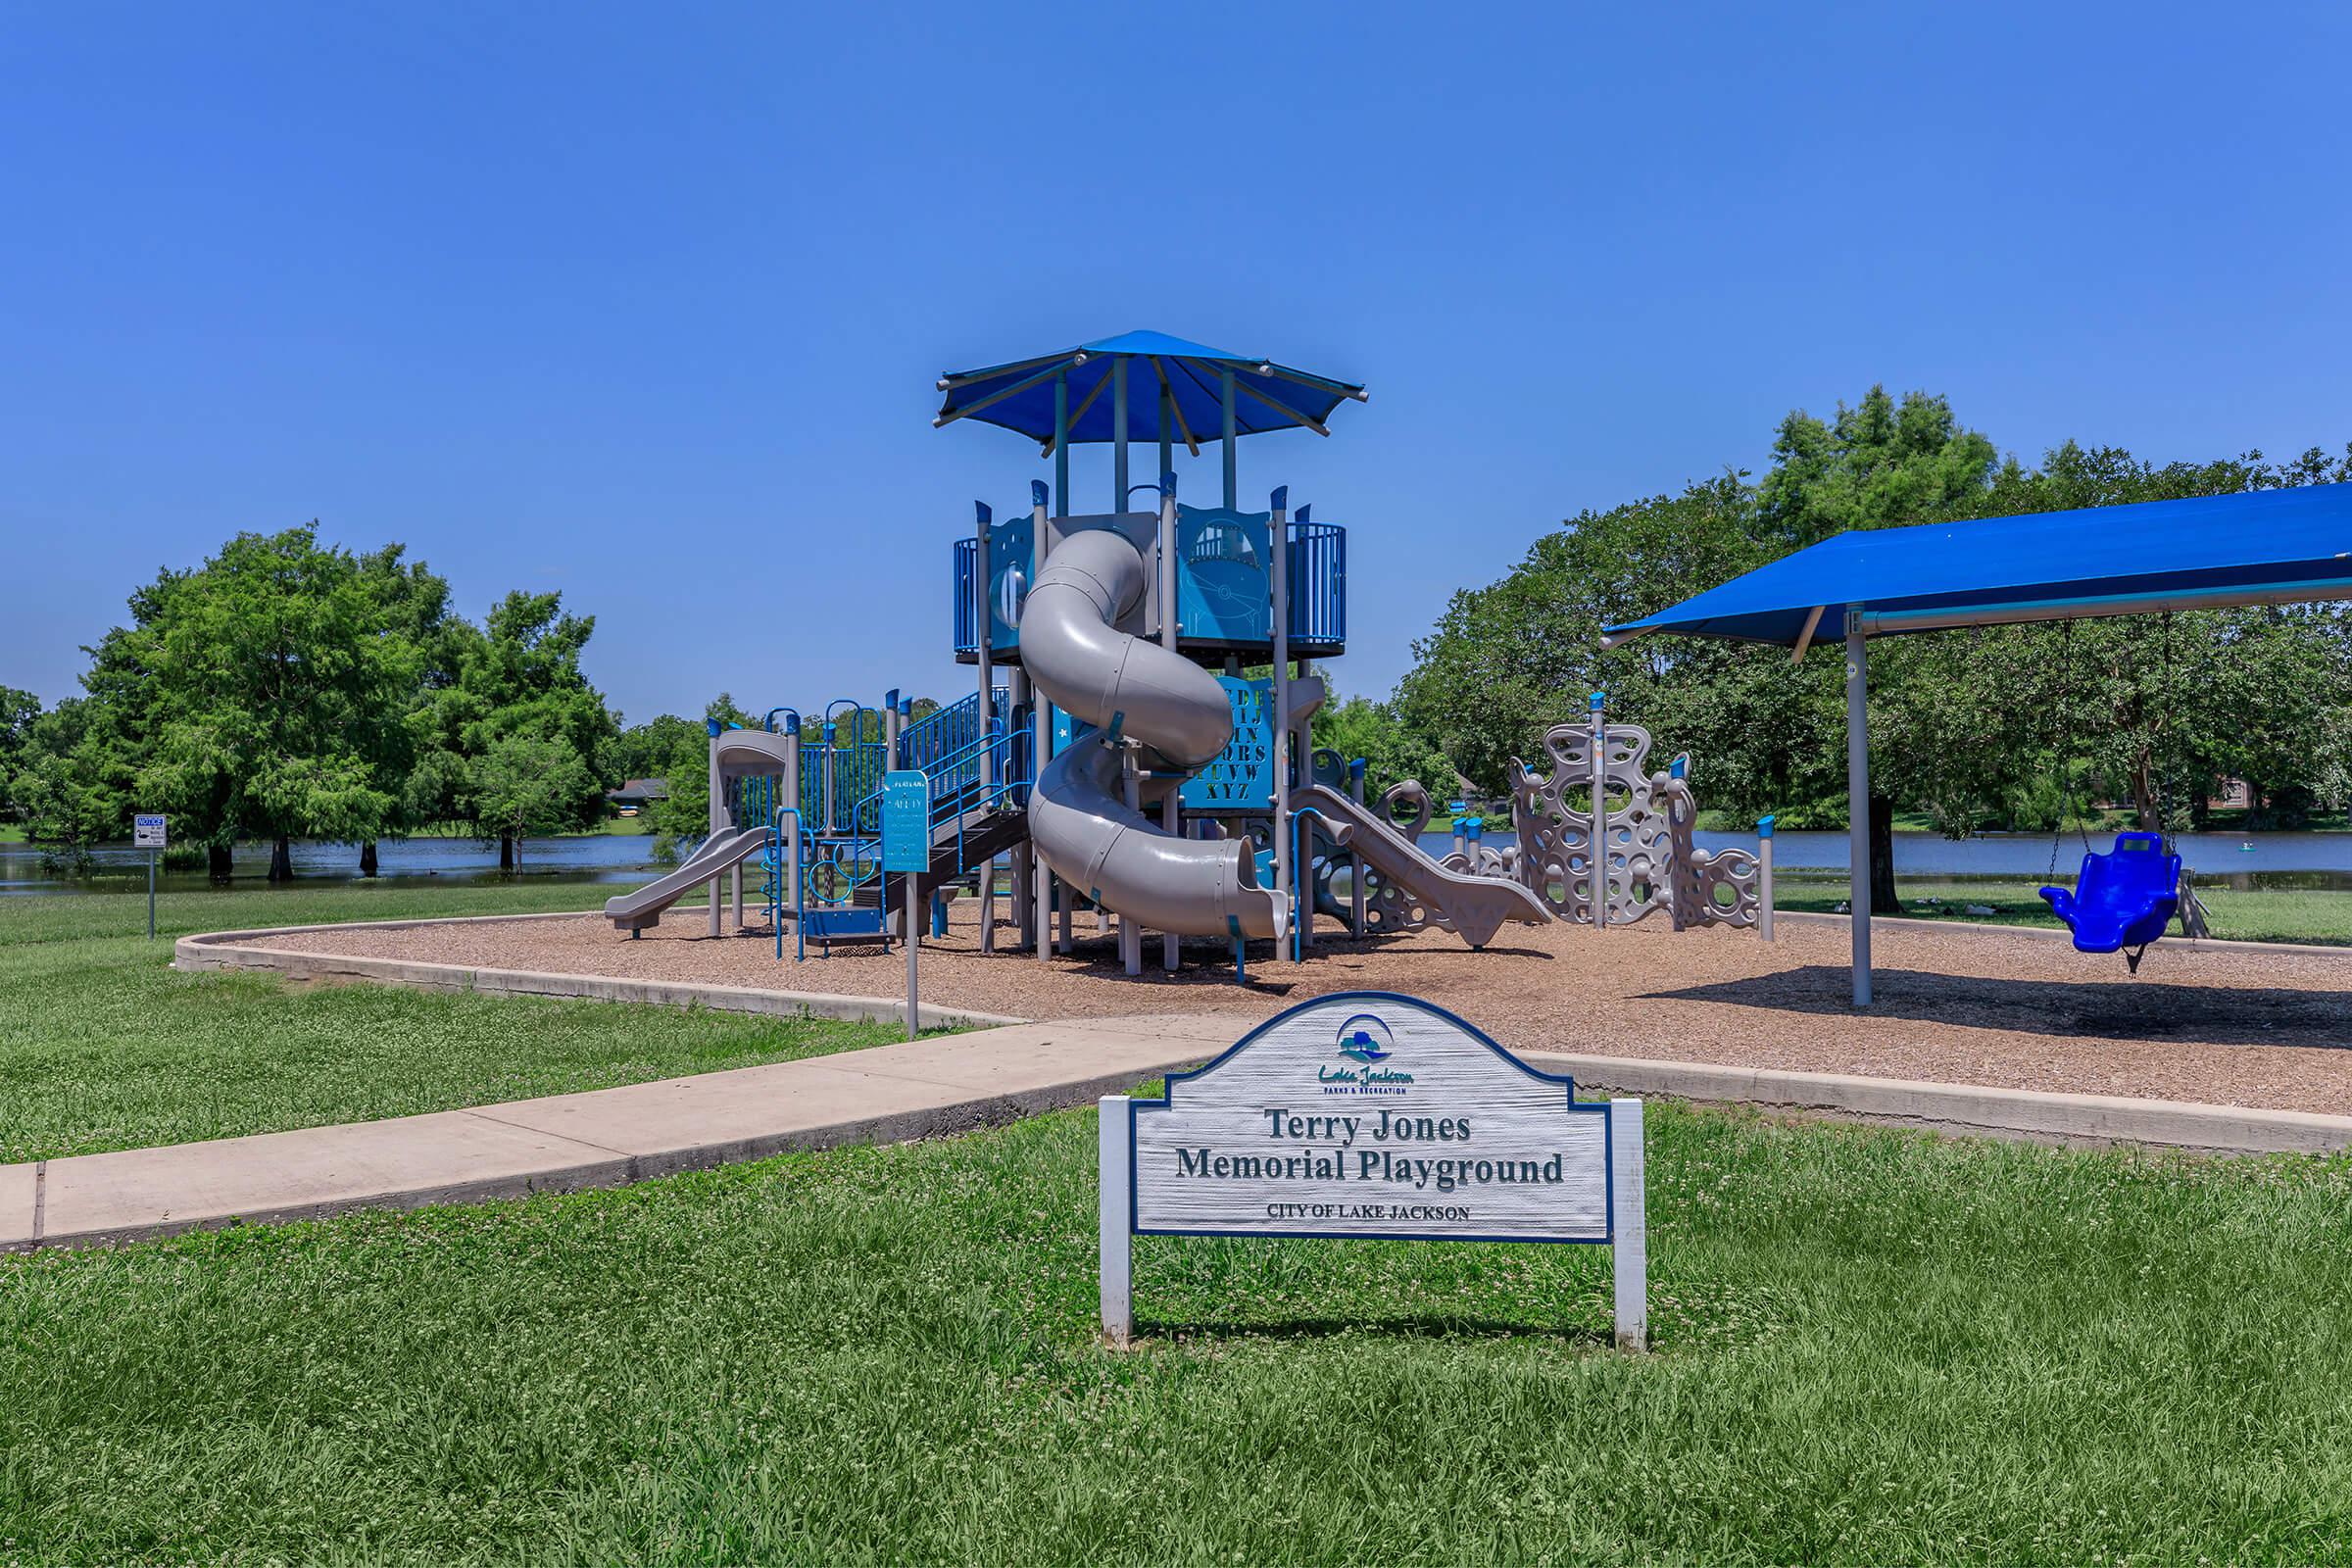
(914, 940)
(1170, 808)
(1601, 811)
(984, 587)
(1279, 546)
(1233, 490)
(1857, 798)
(1061, 456)
(151, 895)
(792, 796)
(1119, 438)
(1764, 878)
(716, 819)
(1355, 860)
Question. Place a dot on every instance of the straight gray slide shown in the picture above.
(642, 908)
(1079, 820)
(1475, 906)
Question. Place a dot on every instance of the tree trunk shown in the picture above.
(506, 851)
(1883, 899)
(2143, 796)
(282, 859)
(216, 866)
(367, 858)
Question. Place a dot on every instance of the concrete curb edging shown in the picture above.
(2018, 1113)
(228, 950)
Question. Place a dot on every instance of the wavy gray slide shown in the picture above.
(640, 908)
(1476, 907)
(1079, 822)
(740, 752)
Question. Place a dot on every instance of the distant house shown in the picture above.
(636, 795)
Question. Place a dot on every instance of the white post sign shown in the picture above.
(147, 831)
(1369, 1115)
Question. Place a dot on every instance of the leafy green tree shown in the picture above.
(19, 711)
(2000, 725)
(517, 676)
(248, 689)
(530, 782)
(1392, 753)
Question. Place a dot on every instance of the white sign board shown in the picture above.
(147, 831)
(1368, 1114)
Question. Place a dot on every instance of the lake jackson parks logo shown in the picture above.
(1366, 1046)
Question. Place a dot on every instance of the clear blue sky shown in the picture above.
(644, 303)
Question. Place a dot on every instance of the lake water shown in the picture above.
(611, 857)
(2275, 860)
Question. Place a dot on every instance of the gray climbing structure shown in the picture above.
(1641, 855)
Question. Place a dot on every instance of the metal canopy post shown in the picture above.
(984, 604)
(1857, 798)
(1118, 439)
(1279, 591)
(1061, 450)
(1232, 489)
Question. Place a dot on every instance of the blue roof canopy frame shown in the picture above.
(1019, 396)
(2206, 552)
(2259, 547)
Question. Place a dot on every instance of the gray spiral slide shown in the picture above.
(1079, 822)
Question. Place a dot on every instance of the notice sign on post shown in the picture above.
(147, 831)
(906, 848)
(1368, 1114)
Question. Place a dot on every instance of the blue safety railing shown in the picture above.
(944, 730)
(1221, 588)
(1318, 571)
(967, 617)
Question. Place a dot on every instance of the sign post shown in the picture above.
(149, 831)
(1370, 1115)
(907, 849)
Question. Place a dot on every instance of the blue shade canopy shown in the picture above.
(1019, 396)
(2259, 547)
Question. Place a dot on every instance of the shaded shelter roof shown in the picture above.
(1019, 396)
(2256, 547)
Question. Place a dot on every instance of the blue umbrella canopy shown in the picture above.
(1019, 396)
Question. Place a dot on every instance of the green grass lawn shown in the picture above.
(2259, 915)
(1872, 1347)
(102, 1046)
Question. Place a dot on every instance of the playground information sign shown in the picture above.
(906, 820)
(1241, 778)
(1369, 1115)
(147, 831)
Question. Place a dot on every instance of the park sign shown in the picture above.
(147, 831)
(906, 820)
(1368, 1114)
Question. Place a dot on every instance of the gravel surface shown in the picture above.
(1953, 1005)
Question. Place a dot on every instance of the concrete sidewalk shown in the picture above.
(604, 1138)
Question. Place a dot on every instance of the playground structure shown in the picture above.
(1599, 793)
(1112, 751)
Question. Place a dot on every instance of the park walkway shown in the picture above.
(601, 1138)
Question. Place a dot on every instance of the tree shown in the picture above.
(528, 783)
(683, 814)
(18, 713)
(517, 676)
(1359, 728)
(1986, 725)
(248, 689)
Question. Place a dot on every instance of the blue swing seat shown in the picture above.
(2123, 898)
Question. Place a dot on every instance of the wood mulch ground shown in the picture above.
(1976, 1006)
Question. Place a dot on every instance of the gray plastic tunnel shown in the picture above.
(1073, 648)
